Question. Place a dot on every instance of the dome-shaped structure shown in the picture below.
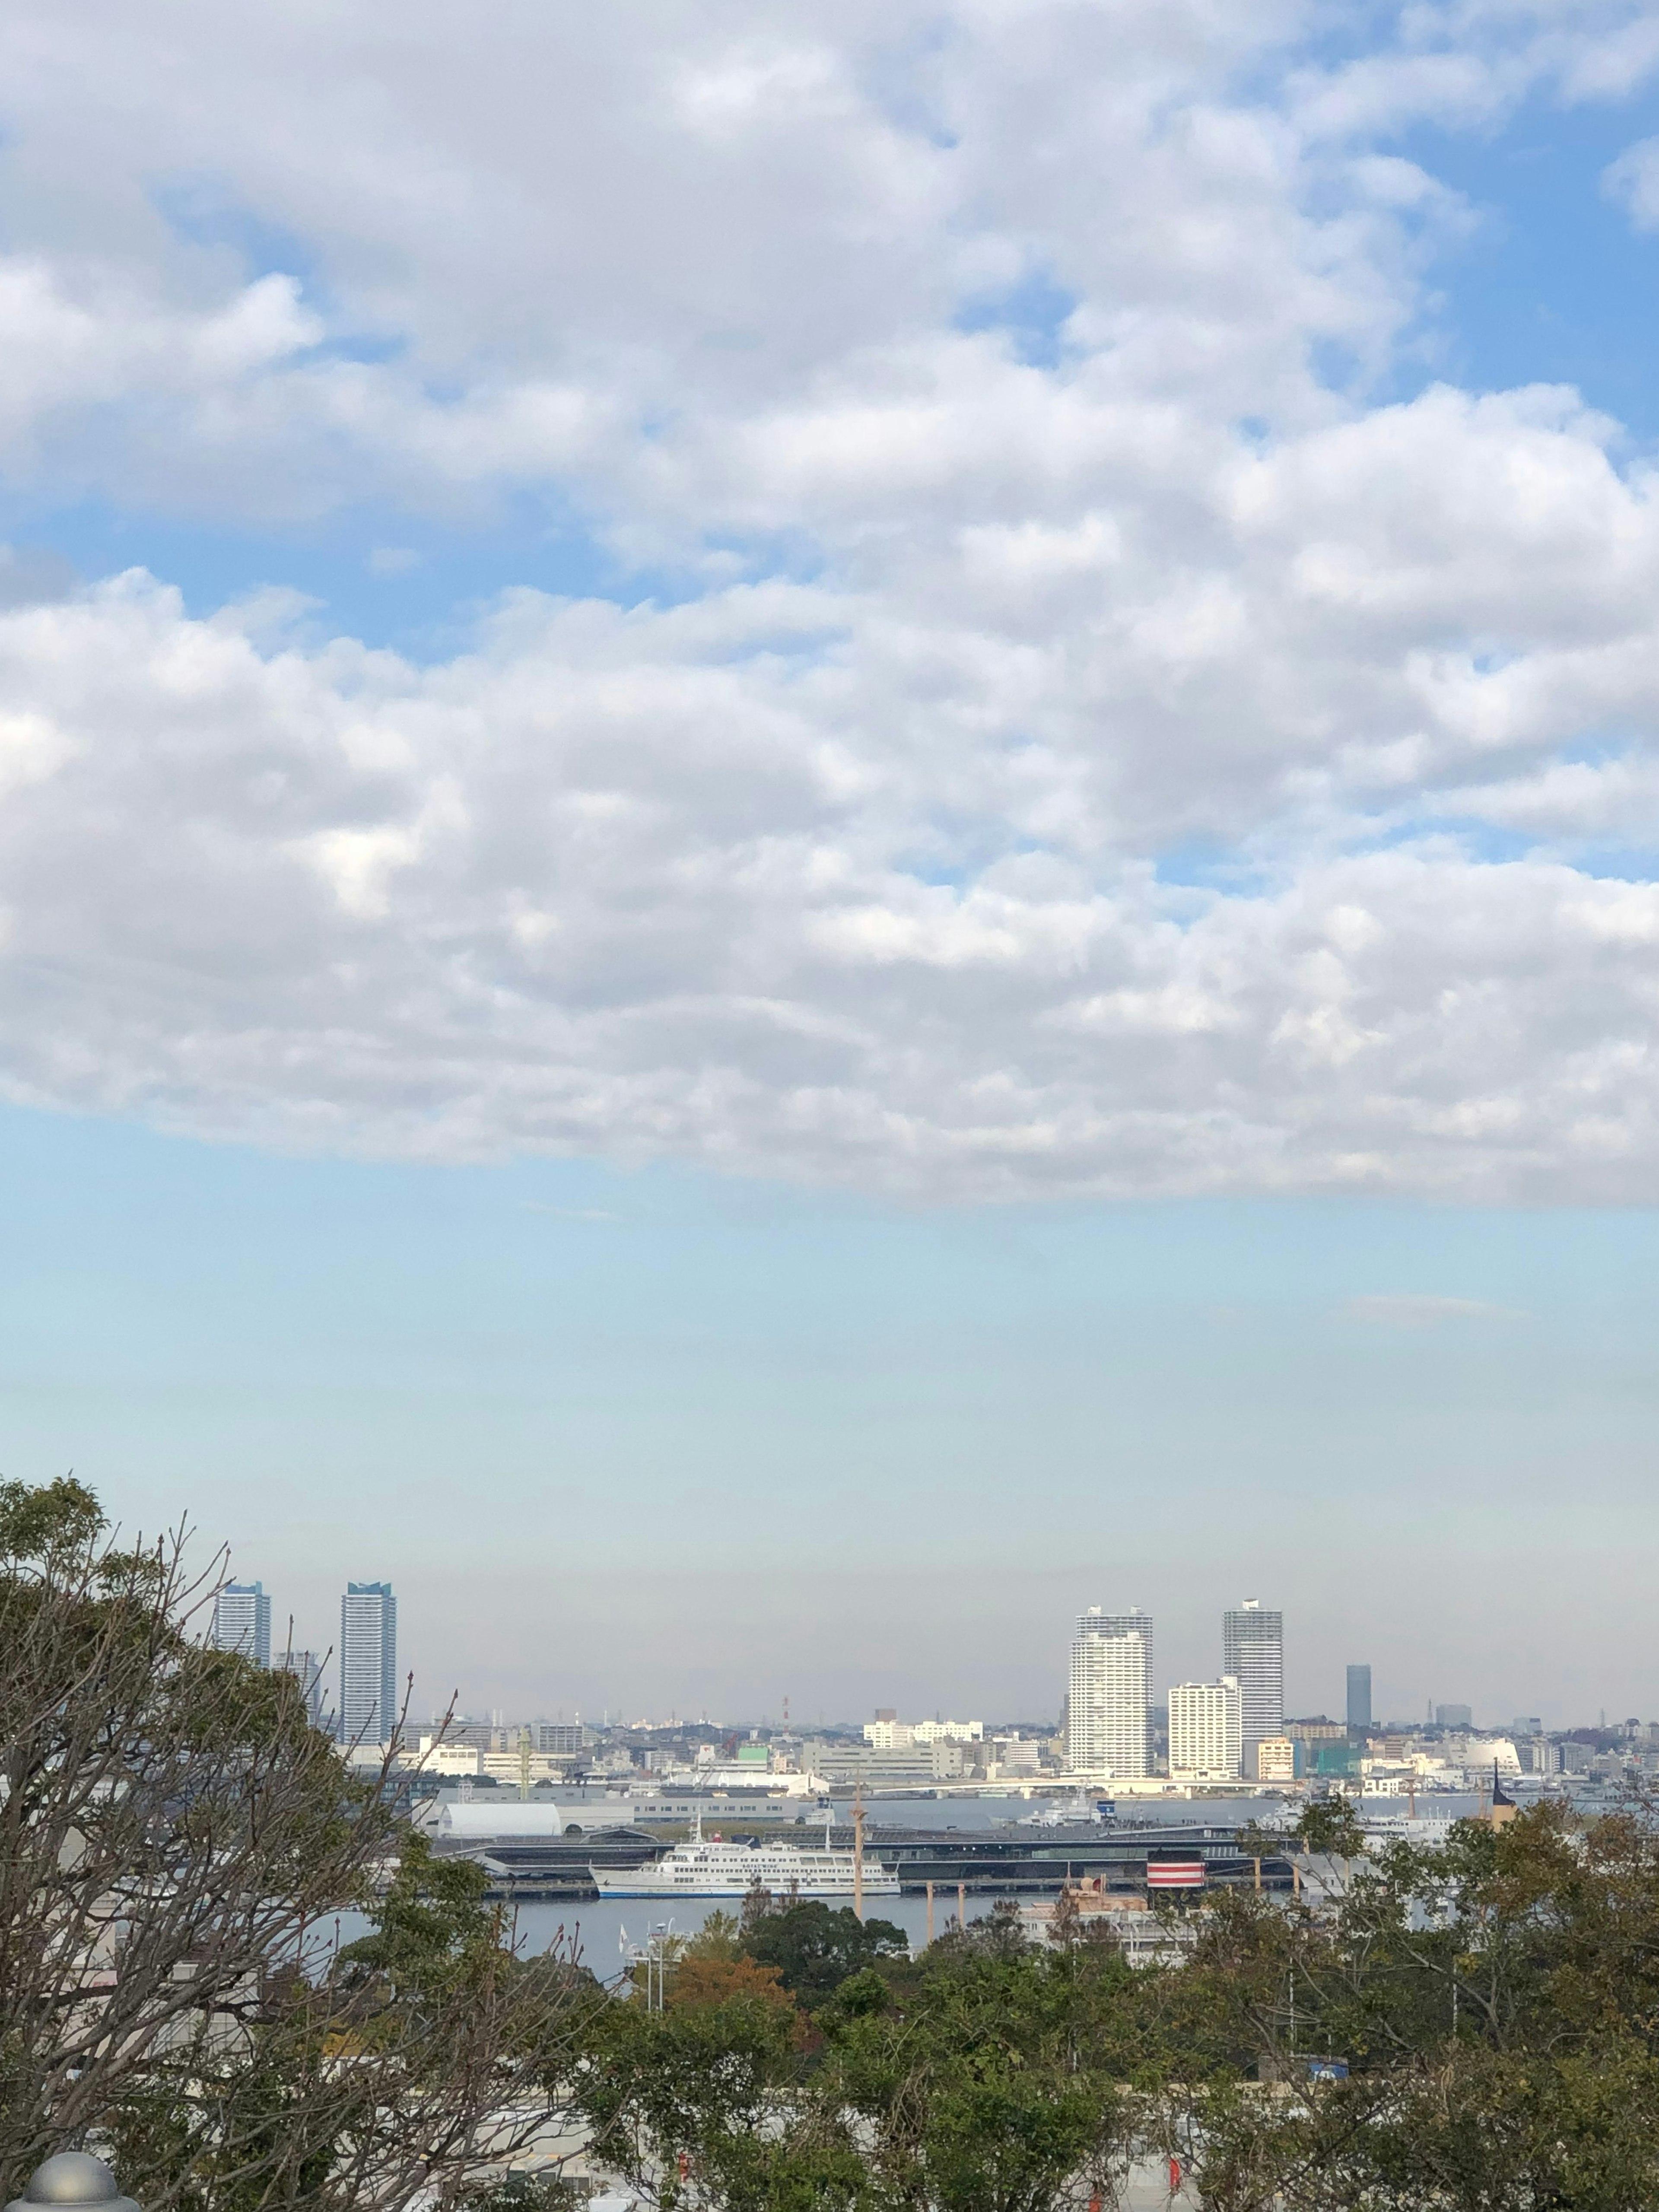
(73, 2179)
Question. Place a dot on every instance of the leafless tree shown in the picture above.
(177, 1845)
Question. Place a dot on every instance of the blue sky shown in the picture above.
(815, 836)
(552, 1399)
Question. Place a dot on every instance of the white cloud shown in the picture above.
(1410, 1310)
(644, 882)
(1106, 759)
(1633, 183)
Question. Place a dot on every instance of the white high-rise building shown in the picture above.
(241, 1621)
(307, 1668)
(1207, 1742)
(369, 1704)
(1106, 1731)
(1253, 1653)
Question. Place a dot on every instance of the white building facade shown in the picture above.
(369, 1703)
(1206, 1735)
(1253, 1653)
(898, 1736)
(241, 1621)
(1106, 1727)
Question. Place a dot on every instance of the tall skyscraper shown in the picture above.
(1253, 1653)
(368, 1663)
(241, 1621)
(307, 1668)
(1205, 1730)
(1359, 1697)
(1106, 1731)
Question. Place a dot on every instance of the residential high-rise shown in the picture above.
(1359, 1698)
(1253, 1653)
(1206, 1731)
(369, 1704)
(307, 1668)
(241, 1621)
(1106, 1731)
(1097, 1622)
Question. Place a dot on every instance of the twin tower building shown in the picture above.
(1215, 1728)
(369, 1695)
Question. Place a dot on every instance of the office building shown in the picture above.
(307, 1670)
(369, 1703)
(241, 1621)
(1452, 1717)
(1206, 1731)
(892, 1766)
(1106, 1726)
(949, 1731)
(1276, 1759)
(562, 1739)
(1359, 1698)
(887, 1733)
(1253, 1653)
(1316, 1731)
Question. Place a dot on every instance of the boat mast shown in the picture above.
(858, 1850)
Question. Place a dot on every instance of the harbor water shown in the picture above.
(599, 1930)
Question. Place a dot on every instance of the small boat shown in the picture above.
(707, 1866)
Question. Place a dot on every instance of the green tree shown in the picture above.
(998, 2082)
(815, 1946)
(704, 2094)
(1496, 2000)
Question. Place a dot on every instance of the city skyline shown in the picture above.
(242, 1610)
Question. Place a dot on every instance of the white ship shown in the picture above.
(707, 1866)
(1432, 1828)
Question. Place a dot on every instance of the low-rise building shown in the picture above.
(438, 1756)
(1017, 1754)
(842, 1764)
(1276, 1760)
(889, 1735)
(563, 1738)
(1092, 1912)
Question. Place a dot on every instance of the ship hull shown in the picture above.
(627, 1887)
(709, 1866)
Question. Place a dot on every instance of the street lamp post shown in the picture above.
(74, 2181)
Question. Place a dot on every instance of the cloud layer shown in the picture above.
(1088, 742)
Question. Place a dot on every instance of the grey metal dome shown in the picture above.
(73, 2177)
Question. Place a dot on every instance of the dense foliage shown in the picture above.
(1495, 2002)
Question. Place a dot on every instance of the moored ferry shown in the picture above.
(709, 1866)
